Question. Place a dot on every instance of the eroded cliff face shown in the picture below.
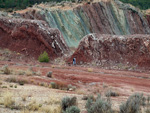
(114, 49)
(148, 19)
(111, 17)
(31, 37)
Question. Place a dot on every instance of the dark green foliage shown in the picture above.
(12, 79)
(67, 102)
(21, 4)
(142, 4)
(53, 85)
(44, 57)
(49, 74)
(98, 106)
(133, 104)
(20, 82)
(72, 109)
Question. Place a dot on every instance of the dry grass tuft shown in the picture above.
(6, 70)
(8, 100)
(24, 97)
(29, 72)
(33, 106)
(51, 109)
(90, 69)
(54, 100)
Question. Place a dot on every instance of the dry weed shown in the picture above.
(90, 69)
(33, 106)
(51, 109)
(8, 99)
(54, 100)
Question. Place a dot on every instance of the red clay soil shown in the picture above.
(80, 77)
(31, 37)
(113, 49)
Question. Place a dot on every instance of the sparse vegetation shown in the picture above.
(90, 69)
(11, 79)
(111, 93)
(24, 97)
(49, 74)
(33, 106)
(22, 82)
(133, 104)
(8, 100)
(15, 80)
(6, 69)
(99, 106)
(72, 109)
(71, 87)
(15, 86)
(11, 85)
(4, 86)
(53, 84)
(44, 57)
(51, 109)
(68, 102)
(29, 72)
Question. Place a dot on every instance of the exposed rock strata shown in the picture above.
(113, 49)
(31, 37)
(111, 17)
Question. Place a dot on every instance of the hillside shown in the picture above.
(109, 40)
(77, 20)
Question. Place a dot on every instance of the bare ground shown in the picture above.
(88, 80)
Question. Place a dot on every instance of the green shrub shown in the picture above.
(72, 109)
(44, 57)
(15, 86)
(53, 85)
(49, 74)
(111, 93)
(4, 86)
(67, 102)
(22, 82)
(98, 106)
(133, 104)
(12, 79)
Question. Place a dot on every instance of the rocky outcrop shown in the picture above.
(111, 17)
(148, 19)
(31, 37)
(114, 49)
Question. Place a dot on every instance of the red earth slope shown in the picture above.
(31, 37)
(113, 49)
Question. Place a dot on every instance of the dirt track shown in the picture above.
(84, 77)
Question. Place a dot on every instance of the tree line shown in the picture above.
(21, 4)
(142, 4)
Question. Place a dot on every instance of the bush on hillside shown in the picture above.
(99, 106)
(72, 109)
(67, 102)
(133, 104)
(44, 57)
